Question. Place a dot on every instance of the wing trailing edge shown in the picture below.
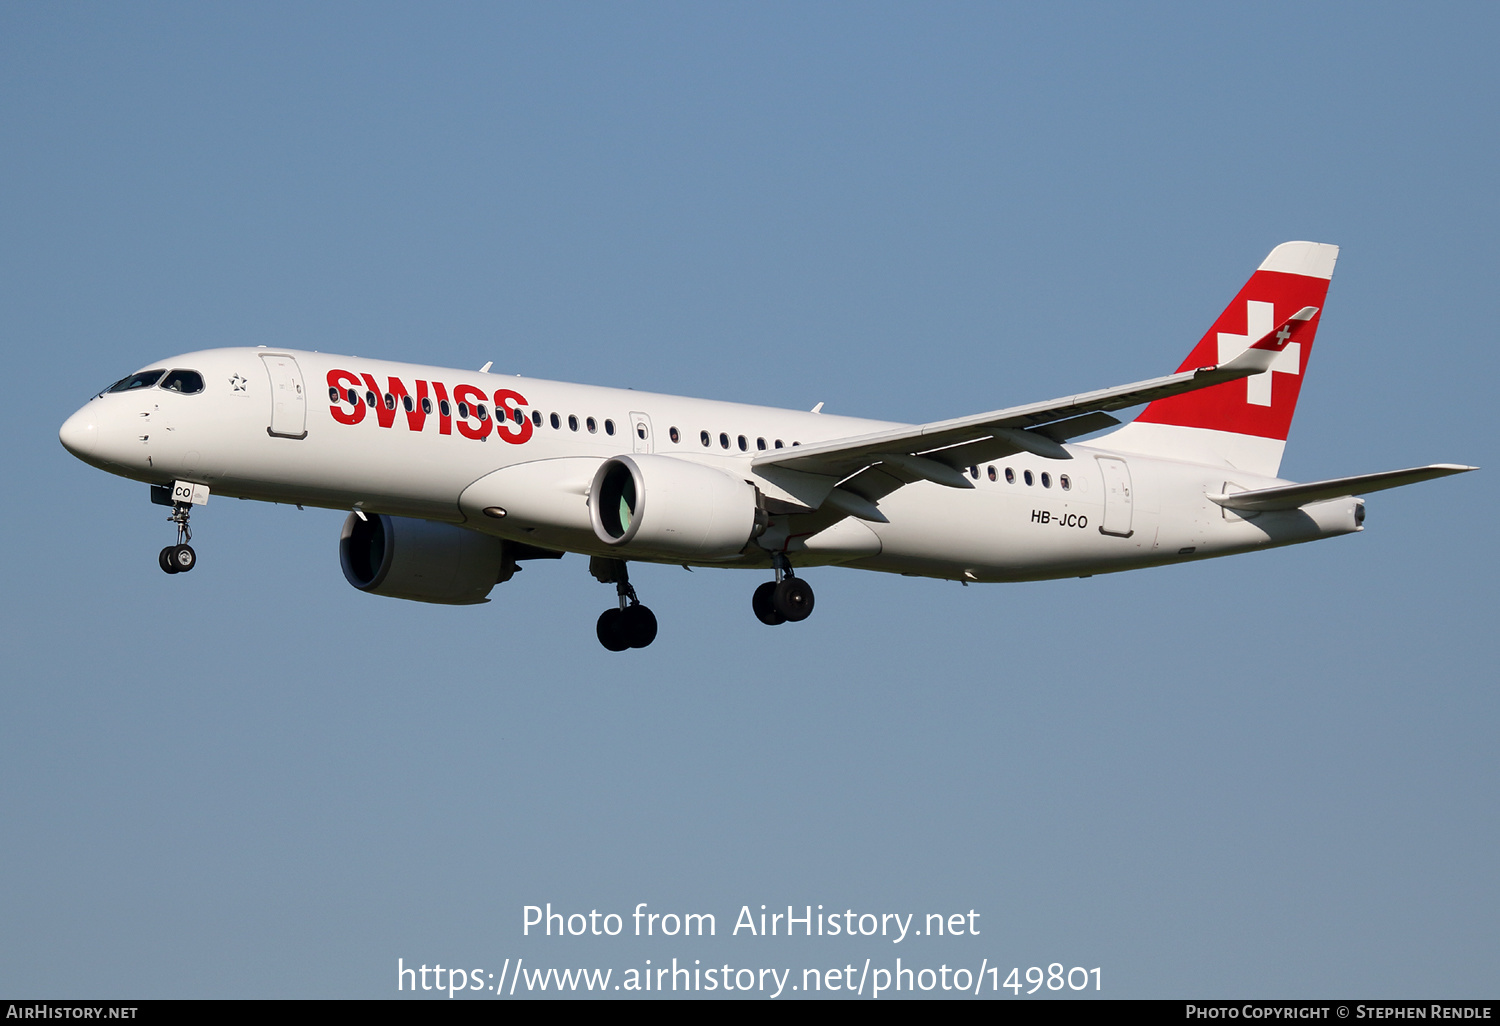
(1036, 428)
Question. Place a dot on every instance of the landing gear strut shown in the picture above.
(179, 558)
(787, 599)
(630, 625)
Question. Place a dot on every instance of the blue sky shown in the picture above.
(1266, 775)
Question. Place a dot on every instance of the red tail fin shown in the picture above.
(1242, 423)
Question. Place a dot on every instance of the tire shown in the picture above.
(165, 561)
(764, 604)
(639, 625)
(184, 558)
(611, 631)
(793, 599)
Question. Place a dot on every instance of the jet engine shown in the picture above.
(663, 506)
(421, 560)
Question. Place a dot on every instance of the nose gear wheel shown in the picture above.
(179, 558)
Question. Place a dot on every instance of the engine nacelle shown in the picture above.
(421, 560)
(663, 506)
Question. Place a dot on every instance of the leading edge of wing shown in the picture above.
(844, 456)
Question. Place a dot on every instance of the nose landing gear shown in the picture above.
(630, 625)
(788, 599)
(179, 558)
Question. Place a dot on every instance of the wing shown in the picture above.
(874, 465)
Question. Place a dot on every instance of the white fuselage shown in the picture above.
(1116, 511)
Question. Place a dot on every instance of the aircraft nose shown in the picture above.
(83, 434)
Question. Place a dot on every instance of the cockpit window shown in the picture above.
(145, 379)
(185, 381)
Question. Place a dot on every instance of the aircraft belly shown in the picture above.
(1010, 533)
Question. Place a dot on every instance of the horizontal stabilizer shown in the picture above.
(1298, 495)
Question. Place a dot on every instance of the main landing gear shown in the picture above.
(788, 599)
(179, 558)
(631, 625)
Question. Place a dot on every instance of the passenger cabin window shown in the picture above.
(536, 417)
(993, 475)
(572, 422)
(723, 440)
(426, 405)
(1010, 476)
(744, 445)
(674, 435)
(609, 427)
(1028, 477)
(556, 421)
(1046, 480)
(592, 425)
(760, 443)
(443, 407)
(407, 403)
(703, 437)
(145, 379)
(1064, 482)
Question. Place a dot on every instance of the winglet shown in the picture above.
(1264, 351)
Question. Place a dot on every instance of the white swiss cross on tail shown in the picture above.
(1260, 318)
(1244, 424)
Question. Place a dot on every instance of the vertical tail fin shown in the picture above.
(1241, 424)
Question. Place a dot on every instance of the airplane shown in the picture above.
(453, 478)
